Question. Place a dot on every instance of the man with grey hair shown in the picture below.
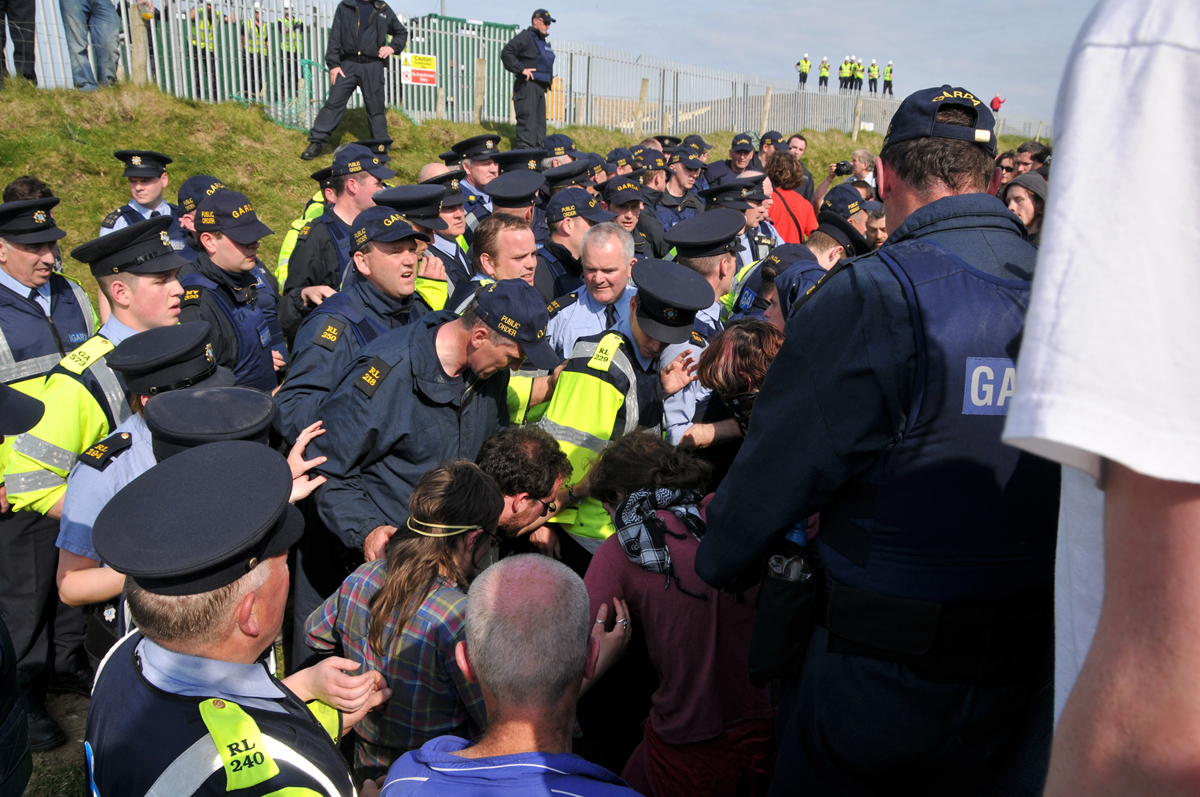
(569, 215)
(607, 257)
(532, 648)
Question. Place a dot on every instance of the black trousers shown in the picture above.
(874, 84)
(887, 87)
(20, 15)
(823, 82)
(852, 725)
(529, 99)
(47, 635)
(320, 566)
(803, 78)
(369, 78)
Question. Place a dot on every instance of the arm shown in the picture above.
(82, 581)
(399, 33)
(314, 372)
(333, 49)
(834, 397)
(224, 337)
(823, 188)
(512, 53)
(1133, 717)
(702, 435)
(305, 270)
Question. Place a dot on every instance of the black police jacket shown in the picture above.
(316, 260)
(383, 27)
(521, 52)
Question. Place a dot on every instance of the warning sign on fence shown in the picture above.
(418, 69)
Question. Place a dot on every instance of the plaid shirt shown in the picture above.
(430, 696)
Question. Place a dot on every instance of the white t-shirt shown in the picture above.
(1110, 364)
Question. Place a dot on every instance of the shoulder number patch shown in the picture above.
(376, 372)
(329, 333)
(100, 455)
(698, 339)
(191, 295)
(605, 352)
(562, 301)
(111, 219)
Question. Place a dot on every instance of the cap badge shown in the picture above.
(488, 144)
(208, 353)
(454, 184)
(39, 217)
(136, 160)
(532, 165)
(745, 191)
(380, 147)
(166, 239)
(670, 313)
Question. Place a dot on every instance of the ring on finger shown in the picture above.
(625, 622)
(599, 622)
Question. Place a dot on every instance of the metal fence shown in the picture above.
(271, 52)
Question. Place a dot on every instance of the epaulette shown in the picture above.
(111, 219)
(304, 232)
(368, 382)
(698, 339)
(100, 455)
(191, 296)
(330, 332)
(556, 306)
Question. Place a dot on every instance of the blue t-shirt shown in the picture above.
(434, 769)
(365, 7)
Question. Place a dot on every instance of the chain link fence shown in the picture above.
(272, 52)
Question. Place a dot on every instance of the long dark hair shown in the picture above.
(454, 494)
(640, 459)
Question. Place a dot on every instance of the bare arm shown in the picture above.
(82, 580)
(1132, 722)
(702, 435)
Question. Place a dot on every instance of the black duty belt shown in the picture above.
(984, 643)
(362, 59)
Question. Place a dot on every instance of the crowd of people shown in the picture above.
(850, 73)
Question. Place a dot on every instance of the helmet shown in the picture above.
(889, 63)
(806, 55)
(872, 60)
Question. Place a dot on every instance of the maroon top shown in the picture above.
(699, 647)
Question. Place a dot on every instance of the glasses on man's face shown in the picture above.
(547, 508)
(495, 538)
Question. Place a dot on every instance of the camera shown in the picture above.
(843, 167)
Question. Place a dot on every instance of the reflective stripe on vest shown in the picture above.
(45, 452)
(33, 481)
(13, 371)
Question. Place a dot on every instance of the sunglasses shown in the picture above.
(547, 508)
(1007, 169)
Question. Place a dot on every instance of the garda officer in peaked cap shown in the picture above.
(221, 720)
(147, 175)
(875, 413)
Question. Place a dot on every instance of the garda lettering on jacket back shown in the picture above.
(990, 384)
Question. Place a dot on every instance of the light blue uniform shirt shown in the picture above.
(89, 490)
(585, 317)
(481, 197)
(247, 685)
(679, 410)
(162, 207)
(43, 293)
(115, 331)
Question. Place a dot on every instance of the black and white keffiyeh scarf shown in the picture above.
(643, 534)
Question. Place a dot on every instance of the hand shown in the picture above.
(326, 681)
(545, 542)
(303, 485)
(334, 74)
(386, 51)
(432, 268)
(313, 295)
(4, 505)
(371, 788)
(614, 642)
(376, 542)
(277, 360)
(832, 171)
(679, 374)
(528, 73)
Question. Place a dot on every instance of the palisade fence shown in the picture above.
(271, 52)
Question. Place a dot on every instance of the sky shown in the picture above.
(1016, 49)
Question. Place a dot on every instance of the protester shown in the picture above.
(791, 214)
(877, 233)
(1031, 155)
(530, 648)
(1006, 162)
(710, 731)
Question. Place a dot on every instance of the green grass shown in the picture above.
(67, 138)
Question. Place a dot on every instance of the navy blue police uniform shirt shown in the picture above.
(395, 415)
(327, 343)
(842, 384)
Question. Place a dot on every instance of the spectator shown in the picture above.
(1026, 197)
(791, 214)
(21, 23)
(1031, 155)
(530, 644)
(876, 226)
(862, 166)
(709, 731)
(1006, 162)
(797, 145)
(403, 615)
(100, 18)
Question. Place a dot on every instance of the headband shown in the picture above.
(452, 531)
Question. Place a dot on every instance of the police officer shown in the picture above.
(823, 75)
(585, 412)
(516, 193)
(570, 214)
(708, 245)
(561, 150)
(316, 205)
(191, 194)
(476, 157)
(602, 301)
(190, 690)
(746, 196)
(505, 249)
(152, 363)
(577, 173)
(741, 153)
(845, 200)
(147, 175)
(321, 260)
(623, 198)
(220, 287)
(451, 243)
(887, 79)
(362, 38)
(803, 66)
(928, 523)
(385, 254)
(459, 369)
(529, 57)
(678, 201)
(421, 206)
